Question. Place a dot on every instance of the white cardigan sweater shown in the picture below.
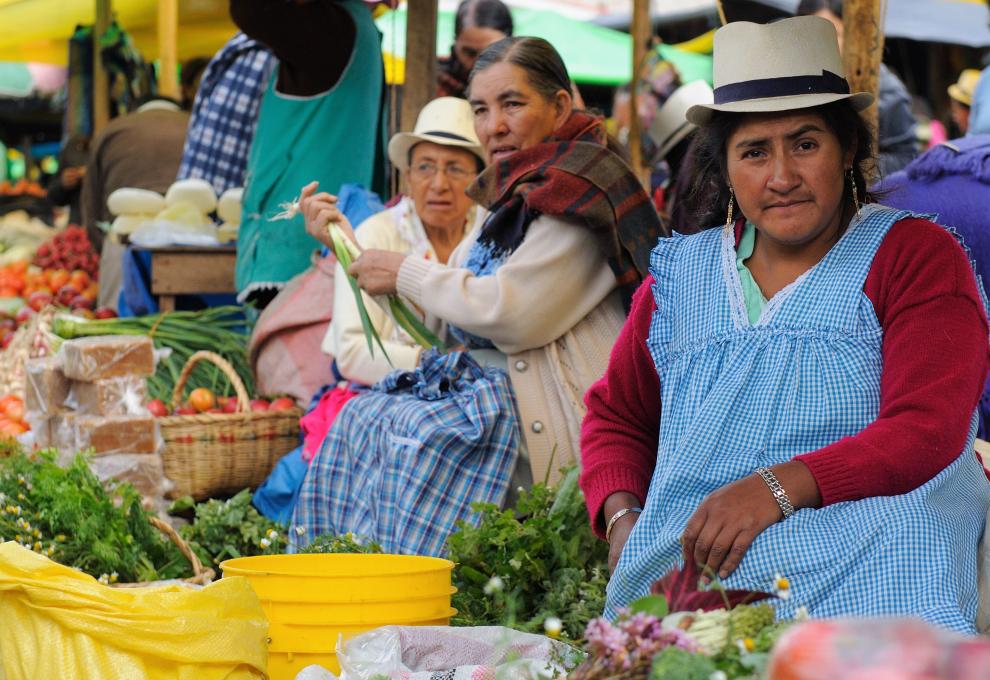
(552, 307)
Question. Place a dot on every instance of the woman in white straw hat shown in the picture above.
(819, 359)
(439, 159)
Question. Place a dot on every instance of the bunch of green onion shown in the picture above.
(346, 251)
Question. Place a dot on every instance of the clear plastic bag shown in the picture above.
(73, 432)
(107, 356)
(142, 470)
(423, 652)
(878, 649)
(121, 396)
(46, 387)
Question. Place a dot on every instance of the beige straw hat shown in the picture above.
(447, 121)
(670, 126)
(962, 90)
(790, 64)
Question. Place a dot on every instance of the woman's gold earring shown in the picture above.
(855, 191)
(728, 218)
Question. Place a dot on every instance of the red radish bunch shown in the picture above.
(69, 249)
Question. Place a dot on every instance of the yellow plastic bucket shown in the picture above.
(310, 600)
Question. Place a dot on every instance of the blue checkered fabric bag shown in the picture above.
(738, 396)
(225, 113)
(403, 462)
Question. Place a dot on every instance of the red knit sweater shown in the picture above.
(935, 360)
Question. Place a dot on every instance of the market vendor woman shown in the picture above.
(818, 360)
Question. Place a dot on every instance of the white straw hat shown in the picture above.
(447, 121)
(790, 64)
(670, 126)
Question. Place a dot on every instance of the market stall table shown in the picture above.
(191, 270)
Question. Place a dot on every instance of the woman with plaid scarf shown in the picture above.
(541, 289)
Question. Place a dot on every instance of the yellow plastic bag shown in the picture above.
(56, 622)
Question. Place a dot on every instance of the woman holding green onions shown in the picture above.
(545, 283)
(439, 159)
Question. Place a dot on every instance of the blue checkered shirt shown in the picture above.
(738, 396)
(225, 113)
(403, 463)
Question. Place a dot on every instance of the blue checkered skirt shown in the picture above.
(737, 396)
(403, 462)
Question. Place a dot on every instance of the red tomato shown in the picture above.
(14, 410)
(259, 405)
(282, 404)
(157, 408)
(202, 399)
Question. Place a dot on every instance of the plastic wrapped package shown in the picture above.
(61, 623)
(63, 435)
(878, 649)
(121, 396)
(426, 652)
(42, 427)
(107, 356)
(144, 471)
(46, 386)
(116, 434)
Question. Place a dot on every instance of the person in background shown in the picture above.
(225, 113)
(66, 188)
(961, 98)
(190, 76)
(897, 138)
(818, 357)
(478, 24)
(321, 118)
(140, 150)
(672, 134)
(438, 160)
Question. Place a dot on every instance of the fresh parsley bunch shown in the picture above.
(535, 562)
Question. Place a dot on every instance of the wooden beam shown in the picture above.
(862, 22)
(642, 31)
(168, 36)
(101, 88)
(421, 60)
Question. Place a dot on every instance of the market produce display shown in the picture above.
(12, 421)
(69, 250)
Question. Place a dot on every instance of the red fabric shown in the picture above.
(317, 422)
(936, 357)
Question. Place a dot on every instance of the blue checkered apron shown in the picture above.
(738, 396)
(404, 461)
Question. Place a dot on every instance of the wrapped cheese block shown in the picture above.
(143, 470)
(107, 356)
(46, 387)
(121, 396)
(116, 434)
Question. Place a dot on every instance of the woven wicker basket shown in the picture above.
(201, 575)
(215, 454)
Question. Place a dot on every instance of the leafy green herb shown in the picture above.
(232, 528)
(67, 514)
(348, 543)
(546, 560)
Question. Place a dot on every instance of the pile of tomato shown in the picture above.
(12, 421)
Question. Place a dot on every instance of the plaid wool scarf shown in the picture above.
(572, 174)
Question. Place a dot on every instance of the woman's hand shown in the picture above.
(622, 527)
(320, 210)
(728, 521)
(377, 271)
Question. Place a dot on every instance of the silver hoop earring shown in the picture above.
(728, 218)
(855, 191)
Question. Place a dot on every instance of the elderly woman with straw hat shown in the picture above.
(818, 360)
(439, 159)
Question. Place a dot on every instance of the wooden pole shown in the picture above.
(101, 87)
(421, 60)
(862, 22)
(641, 31)
(168, 35)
